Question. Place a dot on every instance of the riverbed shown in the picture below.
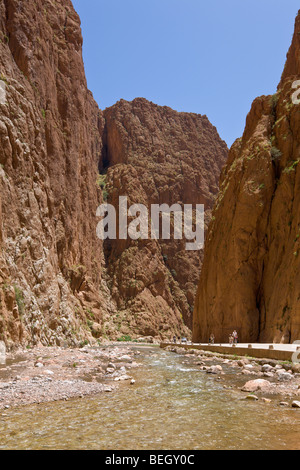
(172, 405)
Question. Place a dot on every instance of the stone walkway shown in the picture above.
(280, 352)
(276, 347)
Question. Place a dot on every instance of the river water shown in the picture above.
(172, 406)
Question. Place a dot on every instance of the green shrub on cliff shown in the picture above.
(20, 300)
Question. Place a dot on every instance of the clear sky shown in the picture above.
(208, 57)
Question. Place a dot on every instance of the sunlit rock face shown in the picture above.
(155, 155)
(50, 145)
(251, 274)
(58, 284)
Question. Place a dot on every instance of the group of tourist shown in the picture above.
(180, 340)
(233, 338)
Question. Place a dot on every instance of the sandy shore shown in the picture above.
(44, 375)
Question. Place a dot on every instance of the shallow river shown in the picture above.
(172, 406)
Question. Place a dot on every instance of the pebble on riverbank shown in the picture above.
(43, 375)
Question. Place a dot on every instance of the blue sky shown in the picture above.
(208, 57)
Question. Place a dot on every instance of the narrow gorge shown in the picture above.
(130, 318)
(60, 158)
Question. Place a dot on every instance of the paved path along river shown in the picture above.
(281, 352)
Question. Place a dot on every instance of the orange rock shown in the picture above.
(251, 273)
(155, 155)
(50, 146)
(57, 284)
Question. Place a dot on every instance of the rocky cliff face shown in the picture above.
(251, 274)
(154, 155)
(50, 145)
(57, 283)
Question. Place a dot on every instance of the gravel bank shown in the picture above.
(44, 375)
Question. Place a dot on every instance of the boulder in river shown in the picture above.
(255, 385)
(296, 404)
(214, 370)
(252, 397)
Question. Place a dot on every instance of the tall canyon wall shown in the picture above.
(251, 274)
(155, 155)
(50, 145)
(58, 283)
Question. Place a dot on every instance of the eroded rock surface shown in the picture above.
(50, 145)
(57, 285)
(251, 273)
(155, 155)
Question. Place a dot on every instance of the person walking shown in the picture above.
(235, 337)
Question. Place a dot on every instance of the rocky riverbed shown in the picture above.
(48, 374)
(256, 379)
